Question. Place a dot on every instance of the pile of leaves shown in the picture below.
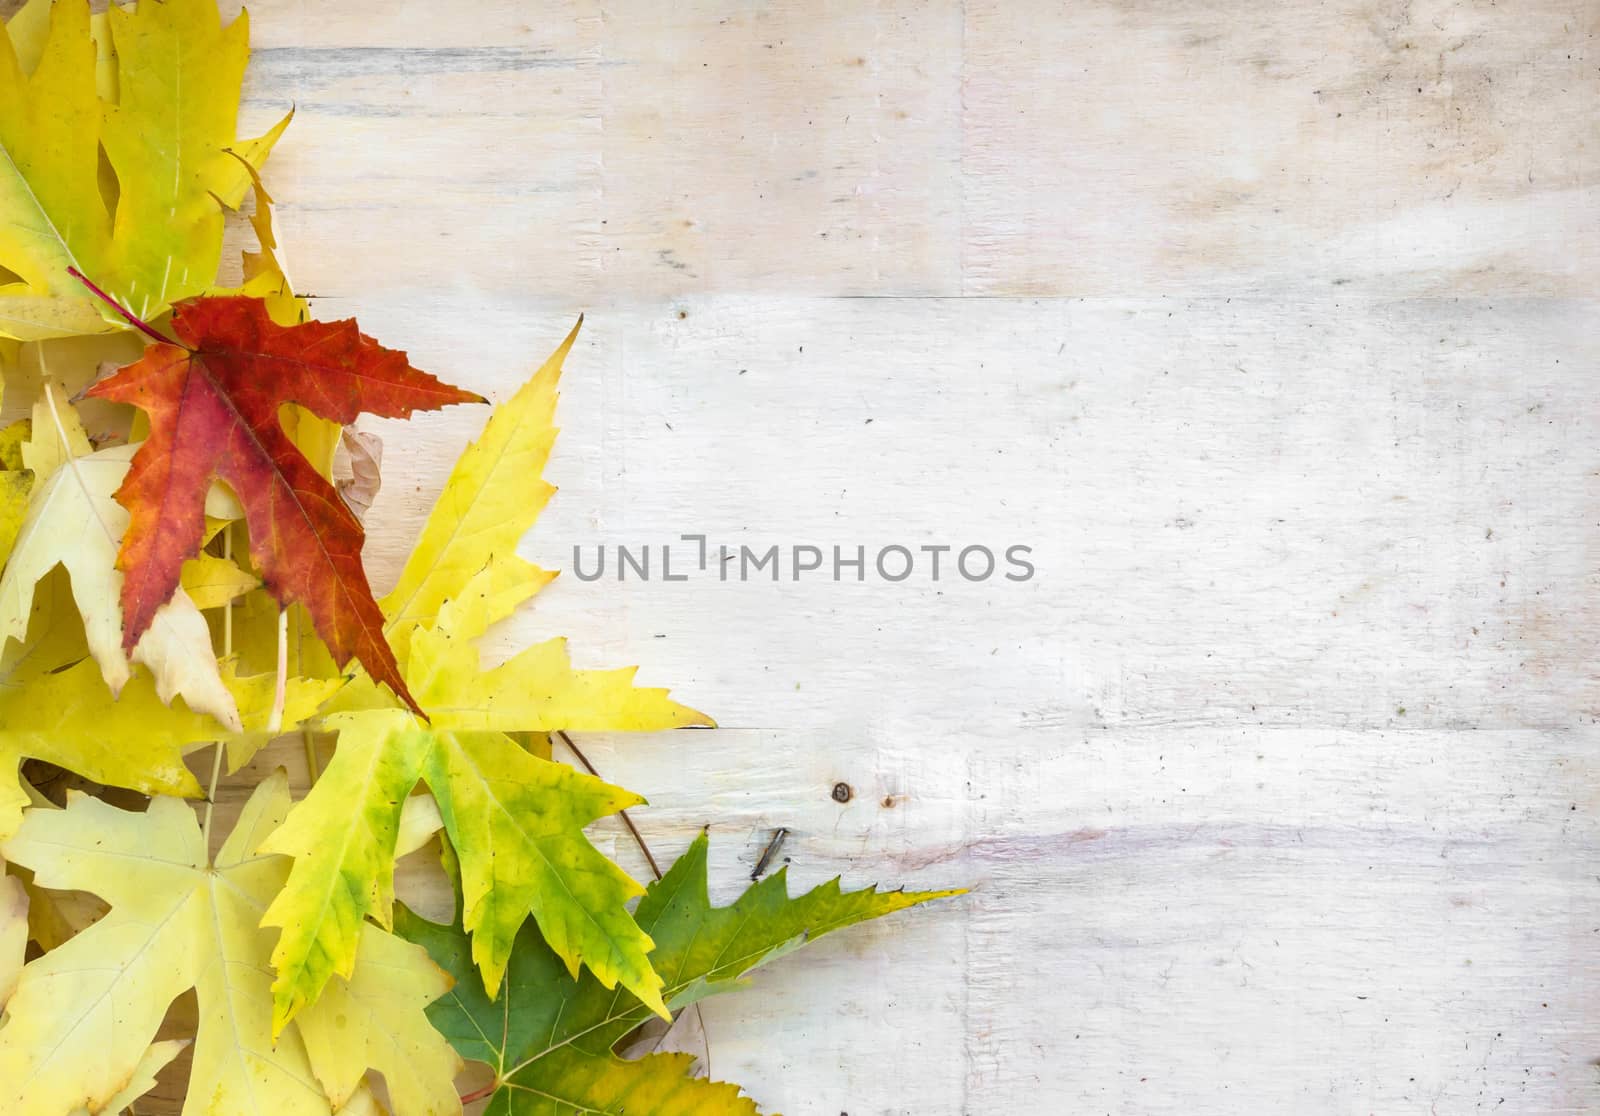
(181, 536)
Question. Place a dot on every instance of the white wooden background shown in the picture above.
(1272, 328)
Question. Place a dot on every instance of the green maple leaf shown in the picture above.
(551, 1039)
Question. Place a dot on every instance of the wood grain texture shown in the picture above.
(1269, 327)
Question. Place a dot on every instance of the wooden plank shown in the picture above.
(1267, 687)
(1267, 327)
(1399, 148)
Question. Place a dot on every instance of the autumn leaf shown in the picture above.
(70, 719)
(55, 707)
(516, 819)
(74, 521)
(85, 1013)
(213, 407)
(550, 1039)
(357, 470)
(155, 85)
(536, 690)
(375, 1020)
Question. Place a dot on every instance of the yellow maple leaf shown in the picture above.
(20, 899)
(84, 1014)
(495, 492)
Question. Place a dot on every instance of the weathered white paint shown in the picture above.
(1270, 327)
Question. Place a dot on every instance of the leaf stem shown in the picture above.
(479, 1094)
(137, 323)
(275, 721)
(313, 768)
(227, 609)
(66, 447)
(211, 797)
(623, 814)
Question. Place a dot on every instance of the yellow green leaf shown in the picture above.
(527, 855)
(343, 842)
(516, 823)
(157, 85)
(180, 921)
(178, 76)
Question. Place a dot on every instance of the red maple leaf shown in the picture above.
(213, 404)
